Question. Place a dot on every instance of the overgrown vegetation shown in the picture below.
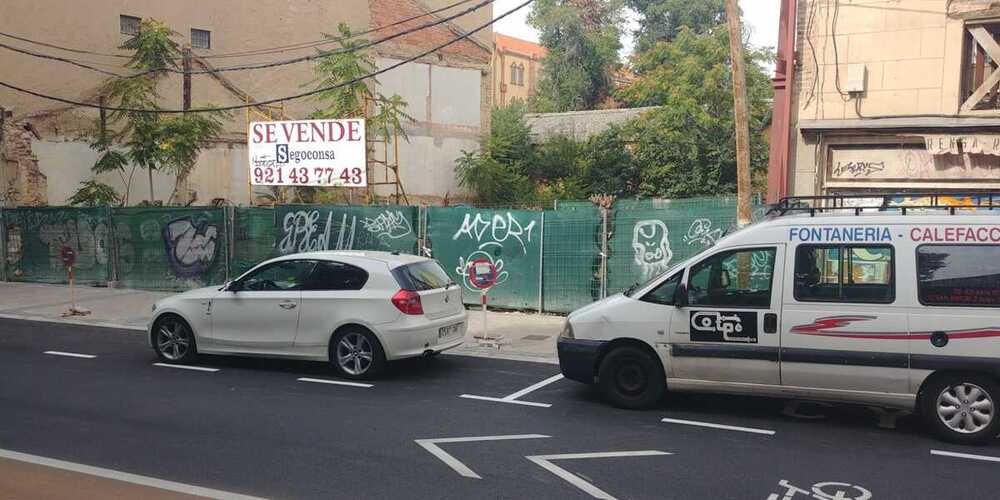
(684, 147)
(126, 140)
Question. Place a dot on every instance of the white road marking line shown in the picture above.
(333, 382)
(70, 354)
(718, 426)
(535, 387)
(187, 367)
(512, 398)
(151, 482)
(505, 400)
(431, 445)
(545, 462)
(969, 456)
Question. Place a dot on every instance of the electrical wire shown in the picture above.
(285, 62)
(327, 41)
(59, 59)
(277, 99)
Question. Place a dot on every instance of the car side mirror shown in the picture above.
(681, 296)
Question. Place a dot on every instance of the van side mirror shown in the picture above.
(233, 286)
(681, 296)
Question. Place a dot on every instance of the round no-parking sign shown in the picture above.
(482, 273)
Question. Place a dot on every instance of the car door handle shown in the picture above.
(287, 304)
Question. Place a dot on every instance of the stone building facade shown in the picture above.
(889, 96)
(226, 33)
(517, 66)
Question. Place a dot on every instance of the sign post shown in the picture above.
(483, 275)
(68, 257)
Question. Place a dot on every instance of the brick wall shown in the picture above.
(23, 184)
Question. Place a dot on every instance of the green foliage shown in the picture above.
(662, 20)
(582, 38)
(94, 194)
(687, 146)
(150, 141)
(348, 63)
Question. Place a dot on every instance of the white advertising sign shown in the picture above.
(308, 153)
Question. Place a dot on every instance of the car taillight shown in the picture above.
(408, 302)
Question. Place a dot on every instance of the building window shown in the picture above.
(513, 74)
(959, 275)
(201, 39)
(981, 67)
(844, 273)
(129, 25)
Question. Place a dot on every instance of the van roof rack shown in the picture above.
(898, 203)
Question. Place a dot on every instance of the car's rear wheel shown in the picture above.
(357, 354)
(962, 408)
(630, 377)
(173, 340)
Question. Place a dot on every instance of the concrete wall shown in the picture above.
(578, 125)
(446, 93)
(912, 51)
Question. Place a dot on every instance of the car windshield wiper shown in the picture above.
(629, 290)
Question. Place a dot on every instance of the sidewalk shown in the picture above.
(526, 337)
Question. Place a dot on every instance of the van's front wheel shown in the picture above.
(962, 408)
(631, 378)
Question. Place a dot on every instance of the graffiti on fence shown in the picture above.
(702, 233)
(499, 228)
(15, 249)
(650, 240)
(761, 264)
(301, 232)
(490, 234)
(87, 238)
(191, 246)
(388, 225)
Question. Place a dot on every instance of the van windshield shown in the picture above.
(633, 290)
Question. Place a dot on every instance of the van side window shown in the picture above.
(958, 275)
(738, 278)
(664, 292)
(844, 273)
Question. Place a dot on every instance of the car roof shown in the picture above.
(392, 259)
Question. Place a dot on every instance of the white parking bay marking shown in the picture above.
(187, 367)
(333, 382)
(718, 426)
(70, 354)
(513, 398)
(545, 461)
(985, 458)
(151, 482)
(431, 445)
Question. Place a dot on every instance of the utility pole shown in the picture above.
(741, 119)
(180, 183)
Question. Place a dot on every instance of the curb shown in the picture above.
(460, 351)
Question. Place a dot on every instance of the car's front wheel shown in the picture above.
(630, 377)
(357, 354)
(173, 340)
(962, 408)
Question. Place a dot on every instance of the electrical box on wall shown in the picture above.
(857, 78)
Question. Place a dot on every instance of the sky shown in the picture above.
(760, 15)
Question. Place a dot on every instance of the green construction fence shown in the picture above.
(553, 260)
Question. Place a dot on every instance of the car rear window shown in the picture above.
(420, 276)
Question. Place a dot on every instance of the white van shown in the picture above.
(888, 307)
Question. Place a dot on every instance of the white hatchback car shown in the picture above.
(354, 309)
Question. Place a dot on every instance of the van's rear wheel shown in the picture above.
(962, 408)
(630, 377)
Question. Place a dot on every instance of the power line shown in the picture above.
(259, 51)
(274, 64)
(327, 41)
(277, 99)
(59, 59)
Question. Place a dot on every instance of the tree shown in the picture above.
(661, 20)
(582, 38)
(384, 115)
(687, 146)
(150, 141)
(497, 175)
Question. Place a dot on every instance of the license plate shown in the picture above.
(449, 331)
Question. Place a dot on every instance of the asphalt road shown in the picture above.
(253, 428)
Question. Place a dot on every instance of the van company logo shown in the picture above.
(728, 326)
